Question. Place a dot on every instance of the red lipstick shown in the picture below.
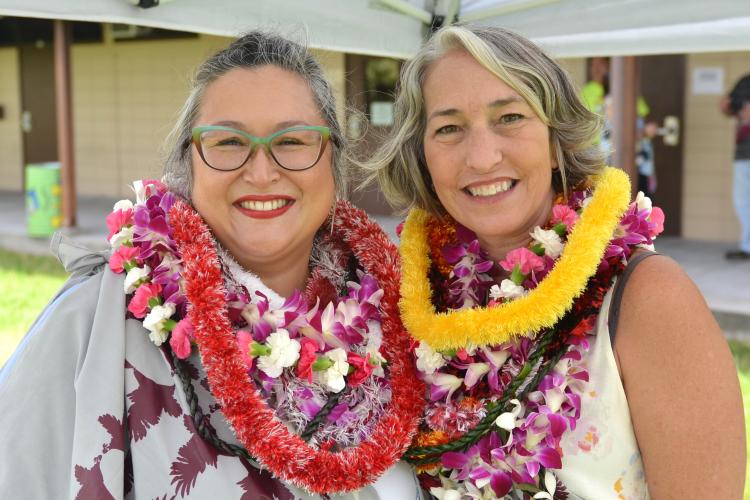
(264, 214)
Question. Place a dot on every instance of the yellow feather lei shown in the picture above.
(540, 308)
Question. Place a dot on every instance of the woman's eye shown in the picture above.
(289, 141)
(228, 142)
(510, 118)
(447, 129)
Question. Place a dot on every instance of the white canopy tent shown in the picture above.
(395, 28)
(579, 28)
(354, 26)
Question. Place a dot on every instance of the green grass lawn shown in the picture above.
(742, 358)
(30, 282)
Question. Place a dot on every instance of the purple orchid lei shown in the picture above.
(299, 356)
(516, 459)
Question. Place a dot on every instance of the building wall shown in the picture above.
(576, 68)
(708, 212)
(126, 97)
(334, 65)
(11, 147)
(708, 148)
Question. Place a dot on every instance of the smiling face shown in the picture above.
(264, 215)
(487, 152)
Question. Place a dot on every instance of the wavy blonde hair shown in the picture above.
(399, 164)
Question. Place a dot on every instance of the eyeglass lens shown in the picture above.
(228, 150)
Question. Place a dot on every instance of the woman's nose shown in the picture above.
(261, 168)
(484, 150)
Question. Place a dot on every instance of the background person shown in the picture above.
(737, 105)
(644, 158)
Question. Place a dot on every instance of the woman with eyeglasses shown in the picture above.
(242, 338)
(563, 358)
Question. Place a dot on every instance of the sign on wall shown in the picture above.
(708, 81)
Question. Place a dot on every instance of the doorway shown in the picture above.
(662, 84)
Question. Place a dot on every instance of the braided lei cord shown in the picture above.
(352, 390)
(502, 397)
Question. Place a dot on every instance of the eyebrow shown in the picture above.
(494, 104)
(278, 126)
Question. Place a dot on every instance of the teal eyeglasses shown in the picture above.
(295, 148)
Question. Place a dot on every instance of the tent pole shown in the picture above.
(502, 9)
(405, 7)
(623, 85)
(62, 36)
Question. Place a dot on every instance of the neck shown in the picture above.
(282, 275)
(497, 247)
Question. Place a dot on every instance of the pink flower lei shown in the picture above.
(319, 367)
(497, 414)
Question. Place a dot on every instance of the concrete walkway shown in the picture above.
(724, 284)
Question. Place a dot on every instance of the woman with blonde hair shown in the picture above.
(563, 357)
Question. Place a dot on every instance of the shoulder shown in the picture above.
(63, 329)
(664, 321)
(675, 364)
(659, 296)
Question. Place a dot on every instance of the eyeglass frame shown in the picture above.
(325, 136)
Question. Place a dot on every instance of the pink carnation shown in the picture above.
(362, 368)
(524, 258)
(656, 220)
(119, 219)
(181, 337)
(564, 214)
(139, 304)
(119, 257)
(307, 357)
(244, 341)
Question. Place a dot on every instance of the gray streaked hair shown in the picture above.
(252, 50)
(400, 166)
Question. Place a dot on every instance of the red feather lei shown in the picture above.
(285, 454)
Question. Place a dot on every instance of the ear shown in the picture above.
(553, 157)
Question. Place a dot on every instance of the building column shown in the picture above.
(62, 39)
(624, 83)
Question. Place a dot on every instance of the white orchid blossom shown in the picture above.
(510, 419)
(474, 373)
(154, 322)
(496, 358)
(284, 353)
(550, 484)
(445, 494)
(140, 191)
